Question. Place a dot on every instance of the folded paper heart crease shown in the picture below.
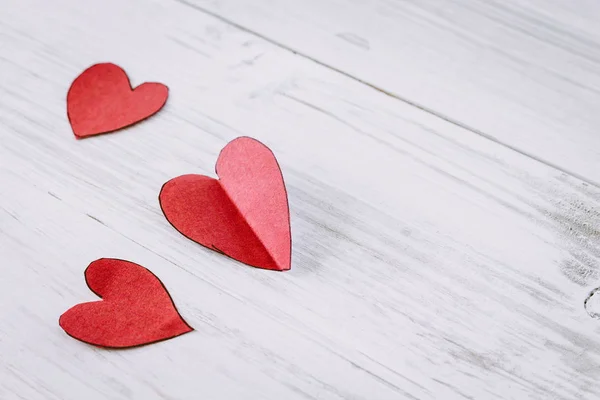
(135, 309)
(101, 100)
(244, 214)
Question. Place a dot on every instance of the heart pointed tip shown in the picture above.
(185, 327)
(285, 267)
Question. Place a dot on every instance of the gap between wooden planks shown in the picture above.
(428, 262)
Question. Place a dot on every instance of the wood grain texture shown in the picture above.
(428, 261)
(524, 73)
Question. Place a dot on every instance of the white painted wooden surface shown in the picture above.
(429, 262)
(525, 73)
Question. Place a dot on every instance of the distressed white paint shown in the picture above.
(523, 72)
(428, 262)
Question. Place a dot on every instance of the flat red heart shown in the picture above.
(244, 214)
(101, 100)
(135, 309)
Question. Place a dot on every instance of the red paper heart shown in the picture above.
(136, 308)
(243, 215)
(101, 100)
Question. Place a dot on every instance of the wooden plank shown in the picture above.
(428, 262)
(524, 73)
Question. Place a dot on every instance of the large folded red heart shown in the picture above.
(135, 309)
(101, 100)
(244, 214)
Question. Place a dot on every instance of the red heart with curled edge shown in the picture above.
(101, 100)
(244, 214)
(135, 309)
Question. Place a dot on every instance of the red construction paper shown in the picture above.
(244, 214)
(101, 100)
(135, 309)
